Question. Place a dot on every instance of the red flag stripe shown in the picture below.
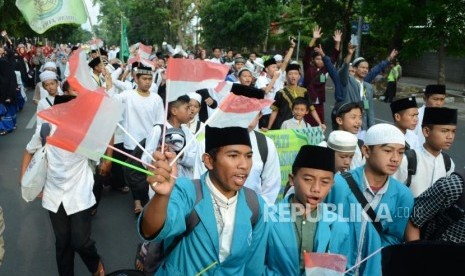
(241, 104)
(195, 70)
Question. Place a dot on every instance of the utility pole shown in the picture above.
(359, 36)
(298, 36)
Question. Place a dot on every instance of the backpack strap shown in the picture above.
(44, 132)
(252, 202)
(48, 101)
(262, 146)
(363, 201)
(197, 127)
(447, 161)
(193, 218)
(411, 165)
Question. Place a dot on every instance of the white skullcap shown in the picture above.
(195, 96)
(278, 57)
(50, 64)
(343, 141)
(47, 75)
(380, 134)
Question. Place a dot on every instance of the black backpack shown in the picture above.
(412, 164)
(262, 146)
(155, 252)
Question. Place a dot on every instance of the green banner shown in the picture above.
(124, 47)
(288, 143)
(42, 15)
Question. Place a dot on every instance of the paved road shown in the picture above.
(29, 238)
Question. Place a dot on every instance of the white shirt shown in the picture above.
(264, 180)
(418, 130)
(42, 105)
(215, 60)
(412, 139)
(429, 169)
(358, 160)
(262, 82)
(193, 125)
(186, 163)
(292, 123)
(141, 114)
(69, 179)
(225, 215)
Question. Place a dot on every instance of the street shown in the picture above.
(29, 239)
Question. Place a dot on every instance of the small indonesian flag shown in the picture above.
(237, 111)
(190, 75)
(80, 77)
(84, 125)
(324, 264)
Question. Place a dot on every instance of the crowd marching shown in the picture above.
(220, 209)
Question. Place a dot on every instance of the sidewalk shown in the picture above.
(452, 89)
(408, 86)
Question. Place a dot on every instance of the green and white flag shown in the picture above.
(41, 15)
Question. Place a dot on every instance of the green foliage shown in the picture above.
(148, 21)
(236, 23)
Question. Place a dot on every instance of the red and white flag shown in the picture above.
(80, 78)
(189, 75)
(222, 89)
(96, 43)
(85, 125)
(318, 264)
(142, 55)
(237, 111)
(144, 51)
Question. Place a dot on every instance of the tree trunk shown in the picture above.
(265, 42)
(181, 38)
(441, 60)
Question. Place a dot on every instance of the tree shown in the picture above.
(236, 23)
(436, 26)
(149, 21)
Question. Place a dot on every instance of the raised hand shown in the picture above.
(162, 182)
(317, 32)
(319, 50)
(351, 48)
(393, 54)
(337, 36)
(292, 42)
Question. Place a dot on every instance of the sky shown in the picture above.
(93, 11)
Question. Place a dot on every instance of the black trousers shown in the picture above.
(139, 192)
(117, 178)
(72, 234)
(391, 90)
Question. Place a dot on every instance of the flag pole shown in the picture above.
(127, 165)
(121, 50)
(134, 140)
(92, 29)
(131, 156)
